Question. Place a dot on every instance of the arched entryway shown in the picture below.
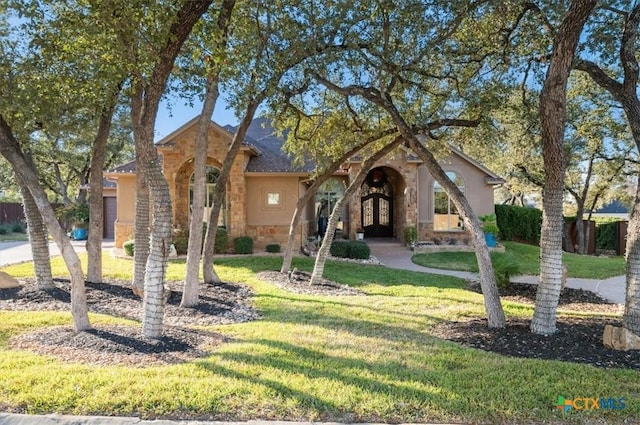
(376, 200)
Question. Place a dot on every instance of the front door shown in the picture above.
(377, 205)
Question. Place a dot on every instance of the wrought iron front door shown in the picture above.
(377, 205)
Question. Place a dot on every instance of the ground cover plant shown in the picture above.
(379, 356)
(528, 258)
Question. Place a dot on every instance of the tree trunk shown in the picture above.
(38, 238)
(492, 304)
(309, 193)
(10, 149)
(580, 234)
(154, 290)
(190, 293)
(141, 230)
(631, 317)
(208, 271)
(323, 252)
(552, 120)
(96, 201)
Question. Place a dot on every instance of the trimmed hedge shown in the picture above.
(273, 248)
(519, 223)
(606, 235)
(220, 246)
(359, 250)
(350, 249)
(243, 245)
(340, 248)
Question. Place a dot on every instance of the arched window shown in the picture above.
(445, 213)
(212, 177)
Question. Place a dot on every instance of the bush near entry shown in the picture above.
(243, 245)
(350, 249)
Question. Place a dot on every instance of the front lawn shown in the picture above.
(318, 358)
(528, 257)
(14, 237)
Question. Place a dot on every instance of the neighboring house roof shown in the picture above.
(613, 207)
(129, 167)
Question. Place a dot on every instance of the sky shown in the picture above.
(170, 119)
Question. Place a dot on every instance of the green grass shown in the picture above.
(528, 257)
(350, 359)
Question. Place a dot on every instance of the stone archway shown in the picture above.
(379, 203)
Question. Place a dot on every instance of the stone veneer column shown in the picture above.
(236, 199)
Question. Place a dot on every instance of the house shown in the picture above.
(264, 186)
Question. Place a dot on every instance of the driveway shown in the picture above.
(19, 252)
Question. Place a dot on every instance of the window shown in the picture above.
(326, 197)
(273, 199)
(445, 213)
(212, 177)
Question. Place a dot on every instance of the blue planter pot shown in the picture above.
(79, 234)
(490, 239)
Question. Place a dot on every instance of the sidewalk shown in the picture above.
(399, 257)
(19, 252)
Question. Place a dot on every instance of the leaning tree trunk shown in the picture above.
(323, 252)
(10, 149)
(492, 304)
(631, 317)
(208, 271)
(38, 238)
(190, 293)
(308, 194)
(552, 119)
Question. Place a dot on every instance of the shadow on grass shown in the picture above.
(334, 381)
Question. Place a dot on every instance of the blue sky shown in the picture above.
(169, 120)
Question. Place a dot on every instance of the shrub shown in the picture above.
(359, 250)
(243, 245)
(340, 248)
(606, 235)
(222, 240)
(410, 235)
(128, 247)
(519, 223)
(504, 266)
(3, 230)
(17, 228)
(273, 248)
(181, 241)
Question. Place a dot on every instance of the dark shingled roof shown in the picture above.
(262, 136)
(129, 167)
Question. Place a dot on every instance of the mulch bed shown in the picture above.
(110, 344)
(299, 282)
(578, 339)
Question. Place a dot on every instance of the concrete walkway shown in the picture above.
(397, 256)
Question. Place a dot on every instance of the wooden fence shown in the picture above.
(12, 212)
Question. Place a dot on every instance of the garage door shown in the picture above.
(110, 215)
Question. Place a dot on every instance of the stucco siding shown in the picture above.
(271, 200)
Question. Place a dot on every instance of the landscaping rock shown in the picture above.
(7, 281)
(619, 338)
